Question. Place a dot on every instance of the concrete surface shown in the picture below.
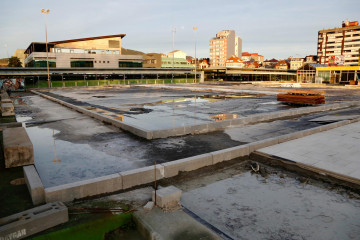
(176, 225)
(18, 149)
(26, 223)
(278, 205)
(336, 151)
(167, 197)
(34, 185)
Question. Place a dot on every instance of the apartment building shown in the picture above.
(341, 43)
(93, 52)
(223, 46)
(296, 63)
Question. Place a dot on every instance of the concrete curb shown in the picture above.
(34, 184)
(203, 127)
(29, 222)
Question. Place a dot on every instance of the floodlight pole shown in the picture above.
(45, 12)
(195, 29)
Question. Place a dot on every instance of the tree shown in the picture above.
(14, 62)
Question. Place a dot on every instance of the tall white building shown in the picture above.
(223, 46)
(340, 43)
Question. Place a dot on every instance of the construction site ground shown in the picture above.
(232, 200)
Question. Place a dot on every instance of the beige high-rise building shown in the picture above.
(223, 46)
(340, 43)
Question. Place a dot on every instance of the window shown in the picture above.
(103, 61)
(75, 64)
(108, 62)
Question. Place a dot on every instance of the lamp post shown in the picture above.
(195, 29)
(45, 12)
(173, 38)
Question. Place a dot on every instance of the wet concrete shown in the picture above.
(272, 205)
(164, 109)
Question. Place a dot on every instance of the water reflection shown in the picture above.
(222, 117)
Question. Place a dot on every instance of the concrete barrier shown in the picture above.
(85, 188)
(34, 185)
(7, 109)
(141, 176)
(18, 149)
(173, 168)
(35, 220)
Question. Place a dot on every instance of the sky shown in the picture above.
(274, 29)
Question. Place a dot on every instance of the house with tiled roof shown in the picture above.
(234, 62)
(284, 65)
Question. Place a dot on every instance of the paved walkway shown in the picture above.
(336, 150)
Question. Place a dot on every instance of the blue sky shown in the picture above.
(278, 28)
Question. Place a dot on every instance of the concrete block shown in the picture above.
(18, 149)
(262, 144)
(217, 126)
(173, 168)
(32, 221)
(167, 197)
(86, 188)
(141, 176)
(7, 109)
(34, 185)
(230, 153)
(238, 121)
(149, 205)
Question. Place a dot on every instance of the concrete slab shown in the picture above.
(18, 149)
(29, 222)
(330, 151)
(34, 185)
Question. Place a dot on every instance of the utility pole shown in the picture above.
(45, 12)
(195, 29)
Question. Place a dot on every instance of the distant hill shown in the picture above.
(125, 51)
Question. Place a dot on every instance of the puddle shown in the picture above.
(248, 206)
(60, 162)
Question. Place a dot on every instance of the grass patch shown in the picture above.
(94, 230)
(89, 226)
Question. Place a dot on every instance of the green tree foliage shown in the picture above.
(14, 62)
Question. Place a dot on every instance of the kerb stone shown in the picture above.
(141, 176)
(34, 185)
(85, 188)
(173, 168)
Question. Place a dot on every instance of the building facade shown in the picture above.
(234, 62)
(93, 52)
(160, 60)
(223, 46)
(296, 63)
(343, 43)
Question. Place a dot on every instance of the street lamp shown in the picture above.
(173, 37)
(45, 12)
(195, 29)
